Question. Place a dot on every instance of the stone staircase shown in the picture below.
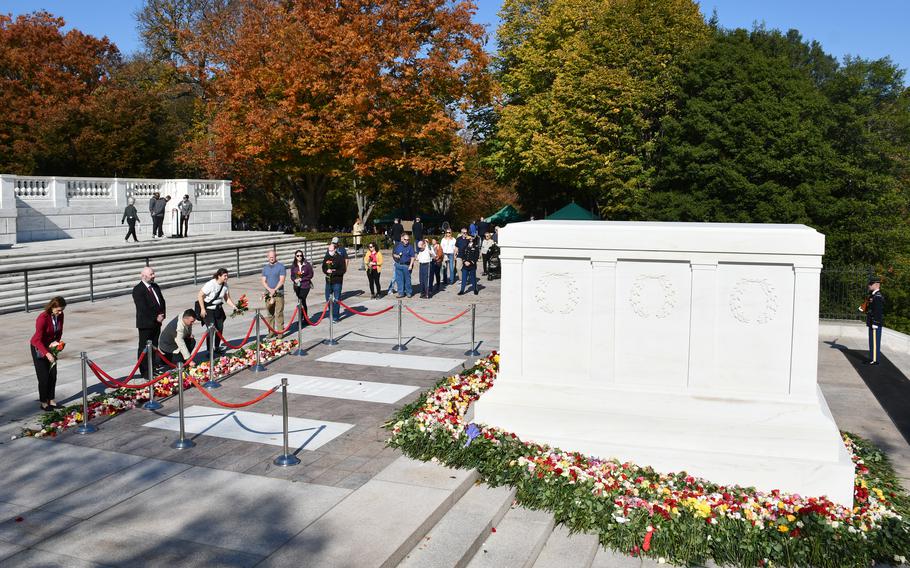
(188, 260)
(420, 514)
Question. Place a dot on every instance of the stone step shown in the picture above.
(454, 540)
(518, 540)
(405, 499)
(566, 550)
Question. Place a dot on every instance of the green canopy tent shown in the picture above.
(507, 214)
(573, 212)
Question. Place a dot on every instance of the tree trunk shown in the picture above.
(308, 195)
(365, 204)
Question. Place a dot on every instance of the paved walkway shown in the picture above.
(123, 497)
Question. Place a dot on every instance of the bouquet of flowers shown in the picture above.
(241, 306)
(56, 351)
(268, 298)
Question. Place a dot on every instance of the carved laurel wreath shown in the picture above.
(635, 296)
(542, 292)
(736, 301)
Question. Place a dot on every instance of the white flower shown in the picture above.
(620, 520)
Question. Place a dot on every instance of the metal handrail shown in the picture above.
(307, 247)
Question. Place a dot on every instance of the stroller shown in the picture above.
(494, 266)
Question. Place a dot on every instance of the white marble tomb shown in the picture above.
(683, 346)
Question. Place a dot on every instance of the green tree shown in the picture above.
(770, 130)
(585, 85)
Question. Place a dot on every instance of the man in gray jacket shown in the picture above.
(184, 208)
(156, 207)
(176, 340)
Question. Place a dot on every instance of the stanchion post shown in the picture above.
(473, 350)
(211, 383)
(331, 315)
(85, 427)
(258, 367)
(400, 346)
(149, 361)
(287, 458)
(182, 442)
(151, 403)
(301, 352)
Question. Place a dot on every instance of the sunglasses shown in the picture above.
(298, 255)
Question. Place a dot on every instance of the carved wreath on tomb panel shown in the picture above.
(557, 292)
(645, 308)
(760, 292)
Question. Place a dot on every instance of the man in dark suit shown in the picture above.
(150, 312)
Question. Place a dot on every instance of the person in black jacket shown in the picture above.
(150, 312)
(334, 267)
(875, 320)
(417, 231)
(131, 216)
(469, 264)
(396, 231)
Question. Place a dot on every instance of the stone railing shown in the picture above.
(47, 207)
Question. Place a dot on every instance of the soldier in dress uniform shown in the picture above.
(875, 320)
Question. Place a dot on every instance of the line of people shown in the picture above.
(436, 263)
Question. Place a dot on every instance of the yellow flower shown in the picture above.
(791, 518)
(783, 528)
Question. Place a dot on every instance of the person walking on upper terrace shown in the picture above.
(185, 209)
(131, 216)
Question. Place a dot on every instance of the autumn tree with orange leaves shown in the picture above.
(304, 93)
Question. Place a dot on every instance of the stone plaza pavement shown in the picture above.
(123, 497)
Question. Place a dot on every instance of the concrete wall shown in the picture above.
(34, 208)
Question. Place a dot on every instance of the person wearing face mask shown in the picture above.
(47, 339)
(150, 312)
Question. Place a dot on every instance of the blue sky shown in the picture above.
(844, 27)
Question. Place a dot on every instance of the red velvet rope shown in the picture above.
(249, 332)
(283, 331)
(208, 395)
(353, 311)
(114, 383)
(321, 317)
(443, 322)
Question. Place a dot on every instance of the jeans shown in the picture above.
(403, 277)
(875, 343)
(435, 276)
(335, 289)
(424, 275)
(450, 268)
(466, 274)
(373, 278)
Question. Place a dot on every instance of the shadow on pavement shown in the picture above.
(886, 382)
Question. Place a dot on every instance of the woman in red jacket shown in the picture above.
(48, 332)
